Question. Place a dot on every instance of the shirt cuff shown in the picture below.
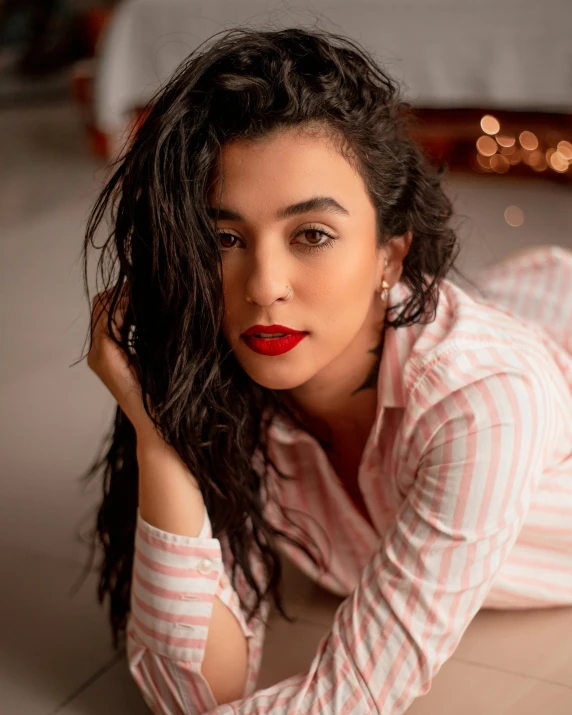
(175, 580)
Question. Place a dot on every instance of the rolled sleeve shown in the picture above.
(175, 580)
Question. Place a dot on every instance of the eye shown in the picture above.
(226, 239)
(314, 233)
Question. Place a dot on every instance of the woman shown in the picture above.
(406, 442)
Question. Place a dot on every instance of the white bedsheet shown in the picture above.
(513, 54)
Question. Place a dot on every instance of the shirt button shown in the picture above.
(204, 566)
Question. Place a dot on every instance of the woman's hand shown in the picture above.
(111, 365)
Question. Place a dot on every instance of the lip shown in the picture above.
(271, 329)
(273, 346)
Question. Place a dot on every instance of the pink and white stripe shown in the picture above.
(467, 476)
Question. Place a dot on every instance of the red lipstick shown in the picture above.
(257, 338)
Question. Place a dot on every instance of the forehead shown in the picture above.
(287, 164)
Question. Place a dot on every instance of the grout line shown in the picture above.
(89, 681)
(510, 672)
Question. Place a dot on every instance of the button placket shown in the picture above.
(203, 566)
(187, 597)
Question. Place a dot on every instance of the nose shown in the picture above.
(266, 279)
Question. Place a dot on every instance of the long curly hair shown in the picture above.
(162, 250)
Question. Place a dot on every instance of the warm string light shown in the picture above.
(556, 160)
(498, 154)
(536, 160)
(506, 141)
(565, 148)
(528, 141)
(486, 146)
(514, 216)
(489, 124)
(499, 151)
(499, 163)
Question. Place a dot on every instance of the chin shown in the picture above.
(275, 376)
(278, 384)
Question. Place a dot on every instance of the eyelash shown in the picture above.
(307, 229)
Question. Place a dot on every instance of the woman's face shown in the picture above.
(274, 233)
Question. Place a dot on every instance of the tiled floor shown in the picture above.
(55, 652)
(508, 663)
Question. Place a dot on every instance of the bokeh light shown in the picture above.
(507, 150)
(514, 216)
(489, 124)
(499, 151)
(499, 163)
(506, 140)
(532, 157)
(565, 148)
(536, 160)
(556, 161)
(484, 162)
(528, 141)
(486, 146)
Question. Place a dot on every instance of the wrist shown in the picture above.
(148, 438)
(154, 455)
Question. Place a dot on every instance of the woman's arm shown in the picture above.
(170, 501)
(169, 496)
(186, 636)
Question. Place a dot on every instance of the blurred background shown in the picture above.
(491, 85)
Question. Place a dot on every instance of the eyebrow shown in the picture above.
(316, 203)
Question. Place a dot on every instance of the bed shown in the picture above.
(510, 54)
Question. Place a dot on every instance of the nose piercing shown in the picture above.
(289, 294)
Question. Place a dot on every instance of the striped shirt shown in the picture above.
(467, 478)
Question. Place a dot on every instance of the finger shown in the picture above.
(121, 308)
(101, 305)
(98, 314)
(119, 313)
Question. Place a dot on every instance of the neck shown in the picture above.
(339, 404)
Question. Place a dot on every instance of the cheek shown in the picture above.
(230, 302)
(231, 276)
(344, 285)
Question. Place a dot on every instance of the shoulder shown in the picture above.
(468, 342)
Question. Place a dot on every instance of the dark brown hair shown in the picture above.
(163, 250)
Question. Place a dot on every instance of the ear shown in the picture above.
(396, 250)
